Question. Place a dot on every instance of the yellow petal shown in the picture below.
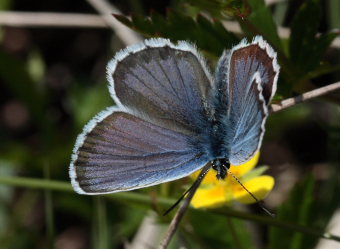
(246, 167)
(259, 186)
(210, 197)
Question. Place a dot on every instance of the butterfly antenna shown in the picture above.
(193, 186)
(178, 201)
(252, 195)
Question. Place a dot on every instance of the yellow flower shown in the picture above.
(214, 193)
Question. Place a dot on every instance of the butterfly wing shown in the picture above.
(161, 91)
(246, 80)
(118, 152)
(165, 83)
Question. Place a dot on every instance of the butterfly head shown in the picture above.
(221, 165)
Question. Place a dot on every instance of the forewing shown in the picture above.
(246, 79)
(119, 152)
(162, 82)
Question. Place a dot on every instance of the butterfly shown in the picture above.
(172, 117)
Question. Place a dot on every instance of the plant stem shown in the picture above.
(277, 223)
(49, 216)
(165, 202)
(233, 233)
(101, 225)
(27, 182)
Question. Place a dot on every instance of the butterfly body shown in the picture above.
(173, 117)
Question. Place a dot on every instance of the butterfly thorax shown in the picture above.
(219, 136)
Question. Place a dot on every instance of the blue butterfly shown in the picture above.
(172, 117)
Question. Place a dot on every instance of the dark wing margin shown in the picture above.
(162, 82)
(244, 60)
(261, 58)
(245, 83)
(119, 152)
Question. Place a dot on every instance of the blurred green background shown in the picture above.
(52, 75)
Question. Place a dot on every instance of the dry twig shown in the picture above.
(49, 19)
(181, 211)
(106, 10)
(303, 97)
